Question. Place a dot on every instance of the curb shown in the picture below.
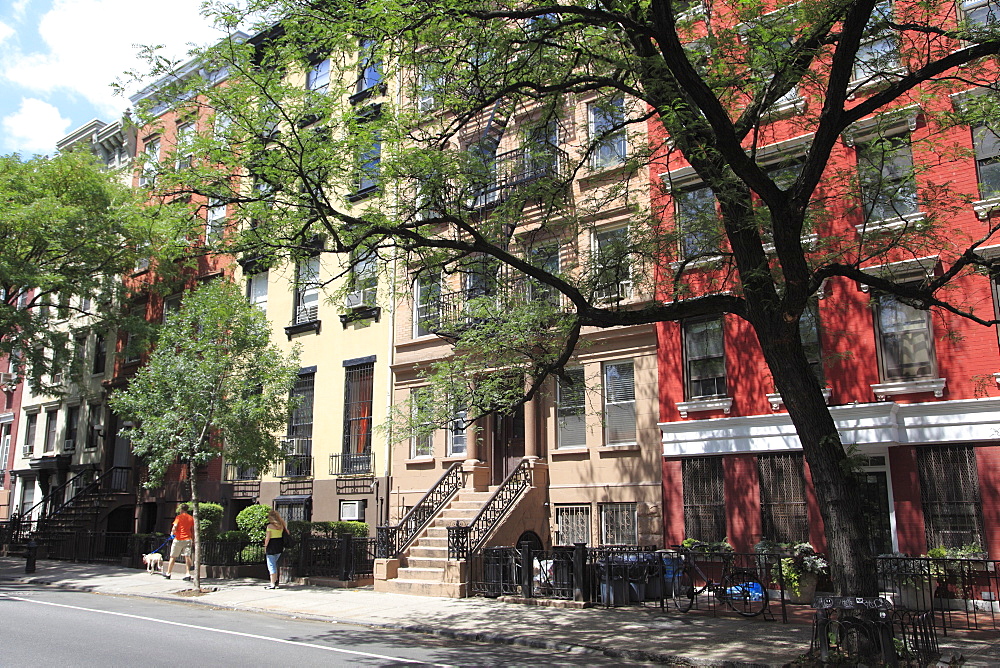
(490, 637)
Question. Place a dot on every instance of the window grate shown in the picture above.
(358, 392)
(618, 524)
(704, 499)
(300, 421)
(949, 491)
(572, 525)
(782, 498)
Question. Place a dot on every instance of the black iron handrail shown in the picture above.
(391, 540)
(464, 538)
(46, 504)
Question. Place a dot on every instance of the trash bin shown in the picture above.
(614, 587)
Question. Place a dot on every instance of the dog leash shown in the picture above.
(161, 546)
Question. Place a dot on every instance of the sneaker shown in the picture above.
(187, 578)
(271, 586)
(166, 575)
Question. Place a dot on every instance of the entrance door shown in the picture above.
(508, 443)
(875, 497)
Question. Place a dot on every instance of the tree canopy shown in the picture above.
(70, 230)
(471, 139)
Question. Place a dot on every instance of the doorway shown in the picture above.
(874, 490)
(508, 443)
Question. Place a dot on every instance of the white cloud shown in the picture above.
(5, 32)
(89, 44)
(19, 7)
(34, 127)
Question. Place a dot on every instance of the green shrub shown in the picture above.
(252, 554)
(209, 519)
(235, 534)
(334, 529)
(253, 520)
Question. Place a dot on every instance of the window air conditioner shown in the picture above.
(360, 299)
(7, 379)
(69, 445)
(350, 511)
(306, 314)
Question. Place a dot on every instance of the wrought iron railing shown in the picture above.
(295, 466)
(352, 463)
(56, 497)
(463, 538)
(343, 557)
(392, 540)
(240, 472)
(513, 170)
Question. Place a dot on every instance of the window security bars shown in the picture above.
(618, 524)
(949, 490)
(351, 464)
(393, 539)
(358, 392)
(572, 525)
(704, 499)
(782, 498)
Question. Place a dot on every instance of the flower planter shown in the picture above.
(806, 591)
(915, 596)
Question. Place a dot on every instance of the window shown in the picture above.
(571, 395)
(94, 425)
(215, 220)
(221, 125)
(704, 358)
(257, 290)
(29, 434)
(809, 331)
(298, 445)
(100, 354)
(783, 498)
(131, 345)
(905, 340)
(613, 265)
(4, 450)
(150, 163)
(888, 186)
(182, 148)
(618, 524)
(697, 222)
(358, 392)
(619, 403)
(572, 525)
(545, 258)
(607, 133)
(987, 147)
(369, 164)
(949, 492)
(483, 170)
(370, 67)
(704, 499)
(318, 76)
(307, 290)
(364, 277)
(456, 433)
(427, 86)
(980, 13)
(72, 428)
(427, 297)
(541, 151)
(171, 305)
(422, 443)
(879, 50)
(51, 427)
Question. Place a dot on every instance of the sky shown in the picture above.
(59, 58)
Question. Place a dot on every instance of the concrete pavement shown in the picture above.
(650, 634)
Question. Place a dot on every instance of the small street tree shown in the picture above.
(214, 386)
(69, 230)
(714, 90)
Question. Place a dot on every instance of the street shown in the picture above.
(72, 628)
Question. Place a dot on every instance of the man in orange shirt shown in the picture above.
(182, 532)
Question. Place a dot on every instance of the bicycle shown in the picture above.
(740, 589)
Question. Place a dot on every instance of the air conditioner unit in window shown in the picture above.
(360, 299)
(69, 445)
(57, 379)
(306, 314)
(351, 511)
(7, 379)
(297, 446)
(615, 292)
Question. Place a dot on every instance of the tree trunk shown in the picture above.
(192, 479)
(852, 567)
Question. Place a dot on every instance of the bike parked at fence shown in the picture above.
(740, 589)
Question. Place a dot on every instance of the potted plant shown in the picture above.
(799, 573)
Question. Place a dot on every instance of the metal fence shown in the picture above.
(344, 557)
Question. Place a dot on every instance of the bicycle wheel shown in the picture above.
(744, 593)
(683, 589)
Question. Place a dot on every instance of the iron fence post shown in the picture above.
(579, 559)
(30, 555)
(527, 570)
(345, 556)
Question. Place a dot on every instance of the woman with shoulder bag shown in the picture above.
(274, 544)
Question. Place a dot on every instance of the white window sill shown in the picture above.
(619, 447)
(985, 207)
(568, 451)
(701, 405)
(777, 402)
(423, 459)
(780, 109)
(883, 390)
(890, 224)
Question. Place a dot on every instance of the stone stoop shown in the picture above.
(424, 569)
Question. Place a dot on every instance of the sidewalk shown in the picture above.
(637, 633)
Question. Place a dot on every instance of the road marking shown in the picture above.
(232, 633)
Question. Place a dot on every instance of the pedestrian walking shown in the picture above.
(182, 532)
(274, 544)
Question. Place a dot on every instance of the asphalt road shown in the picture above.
(45, 626)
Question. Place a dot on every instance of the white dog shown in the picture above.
(153, 561)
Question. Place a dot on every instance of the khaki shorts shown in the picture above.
(180, 548)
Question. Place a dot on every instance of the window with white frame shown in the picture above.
(51, 428)
(426, 299)
(307, 290)
(697, 222)
(546, 258)
(457, 443)
(257, 290)
(704, 358)
(427, 86)
(318, 76)
(571, 417)
(183, 151)
(215, 220)
(980, 13)
(878, 53)
(221, 125)
(619, 403)
(905, 340)
(613, 261)
(986, 144)
(607, 133)
(422, 442)
(30, 427)
(618, 524)
(150, 163)
(369, 66)
(572, 524)
(5, 430)
(885, 172)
